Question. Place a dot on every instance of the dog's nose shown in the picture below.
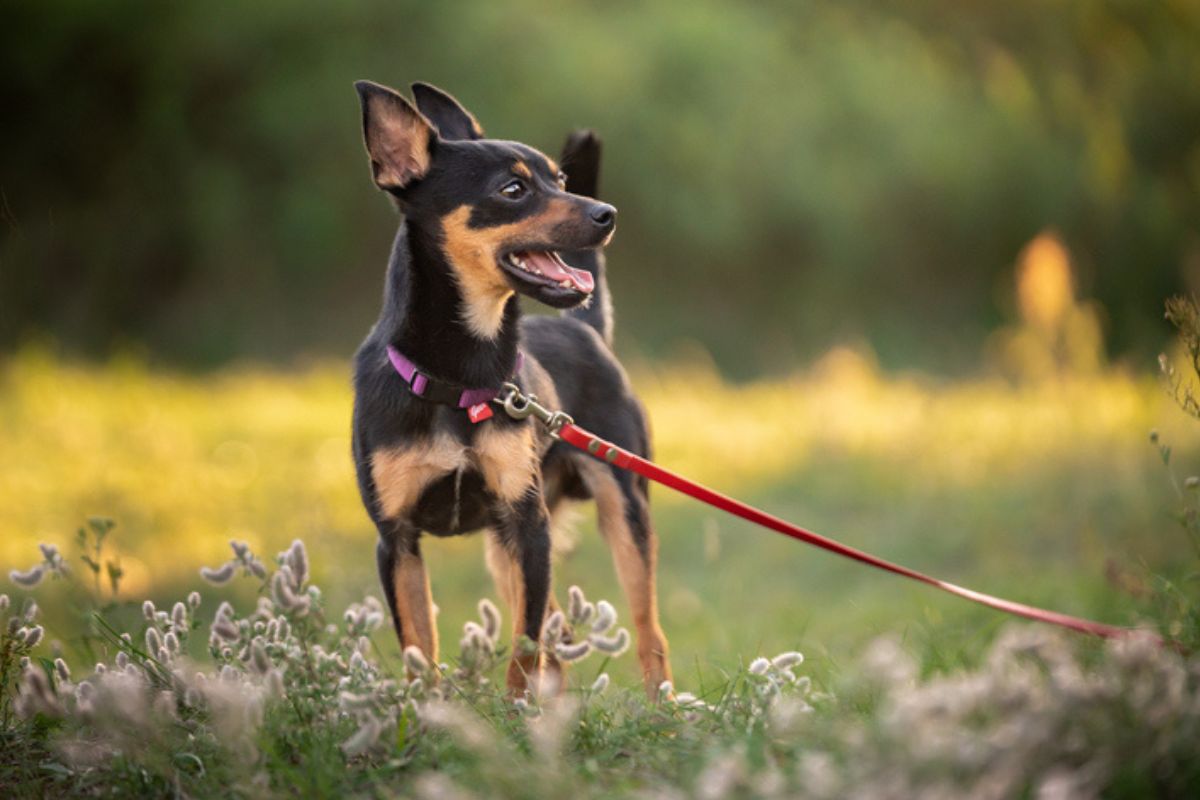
(604, 215)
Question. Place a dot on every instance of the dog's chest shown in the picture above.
(444, 479)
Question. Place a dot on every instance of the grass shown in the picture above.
(1047, 493)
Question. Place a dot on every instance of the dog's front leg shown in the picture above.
(519, 555)
(406, 584)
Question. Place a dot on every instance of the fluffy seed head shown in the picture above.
(33, 636)
(600, 684)
(220, 575)
(148, 610)
(787, 660)
(606, 617)
(29, 578)
(611, 645)
(60, 666)
(491, 619)
(759, 666)
(573, 652)
(193, 600)
(179, 616)
(415, 661)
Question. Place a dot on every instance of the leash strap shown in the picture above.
(563, 427)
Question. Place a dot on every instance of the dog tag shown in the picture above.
(479, 412)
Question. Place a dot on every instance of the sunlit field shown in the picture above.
(1047, 492)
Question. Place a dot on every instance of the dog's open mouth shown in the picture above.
(546, 268)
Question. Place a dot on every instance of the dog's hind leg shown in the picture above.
(406, 584)
(623, 513)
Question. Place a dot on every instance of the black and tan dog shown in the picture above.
(484, 220)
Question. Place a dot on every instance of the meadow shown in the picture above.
(1047, 491)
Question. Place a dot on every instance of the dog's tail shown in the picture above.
(581, 163)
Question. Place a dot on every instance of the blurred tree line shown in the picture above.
(190, 175)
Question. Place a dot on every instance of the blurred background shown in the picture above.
(922, 247)
(190, 178)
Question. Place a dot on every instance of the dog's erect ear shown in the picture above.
(581, 162)
(452, 120)
(398, 138)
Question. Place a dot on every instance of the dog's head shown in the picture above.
(500, 209)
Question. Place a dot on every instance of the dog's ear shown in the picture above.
(399, 139)
(581, 162)
(452, 120)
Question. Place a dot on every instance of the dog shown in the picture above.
(483, 221)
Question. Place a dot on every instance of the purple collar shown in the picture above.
(436, 391)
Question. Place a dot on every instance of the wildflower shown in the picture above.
(297, 558)
(171, 643)
(573, 652)
(613, 646)
(193, 600)
(49, 552)
(33, 636)
(606, 617)
(60, 666)
(30, 578)
(414, 660)
(153, 641)
(148, 611)
(787, 660)
(665, 689)
(759, 666)
(553, 629)
(240, 548)
(179, 616)
(283, 595)
(3, 602)
(258, 657)
(257, 569)
(364, 738)
(225, 629)
(31, 611)
(219, 576)
(600, 684)
(491, 619)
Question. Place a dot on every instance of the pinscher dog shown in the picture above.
(482, 221)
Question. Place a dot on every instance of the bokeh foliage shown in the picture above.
(789, 174)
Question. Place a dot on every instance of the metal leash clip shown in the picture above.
(519, 405)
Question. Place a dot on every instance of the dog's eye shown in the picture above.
(514, 190)
(562, 180)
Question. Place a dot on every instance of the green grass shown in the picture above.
(1046, 493)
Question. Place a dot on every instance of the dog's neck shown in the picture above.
(422, 317)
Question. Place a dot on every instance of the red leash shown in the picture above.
(520, 406)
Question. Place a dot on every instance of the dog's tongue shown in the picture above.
(553, 267)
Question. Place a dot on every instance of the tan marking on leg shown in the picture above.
(506, 572)
(508, 459)
(635, 573)
(414, 605)
(472, 253)
(402, 473)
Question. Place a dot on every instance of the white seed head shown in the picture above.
(574, 651)
(491, 619)
(3, 602)
(122, 659)
(759, 666)
(60, 666)
(225, 629)
(193, 600)
(33, 636)
(148, 610)
(787, 660)
(600, 684)
(219, 576)
(364, 738)
(153, 641)
(575, 601)
(611, 645)
(240, 548)
(297, 558)
(415, 661)
(29, 578)
(179, 616)
(553, 630)
(606, 617)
